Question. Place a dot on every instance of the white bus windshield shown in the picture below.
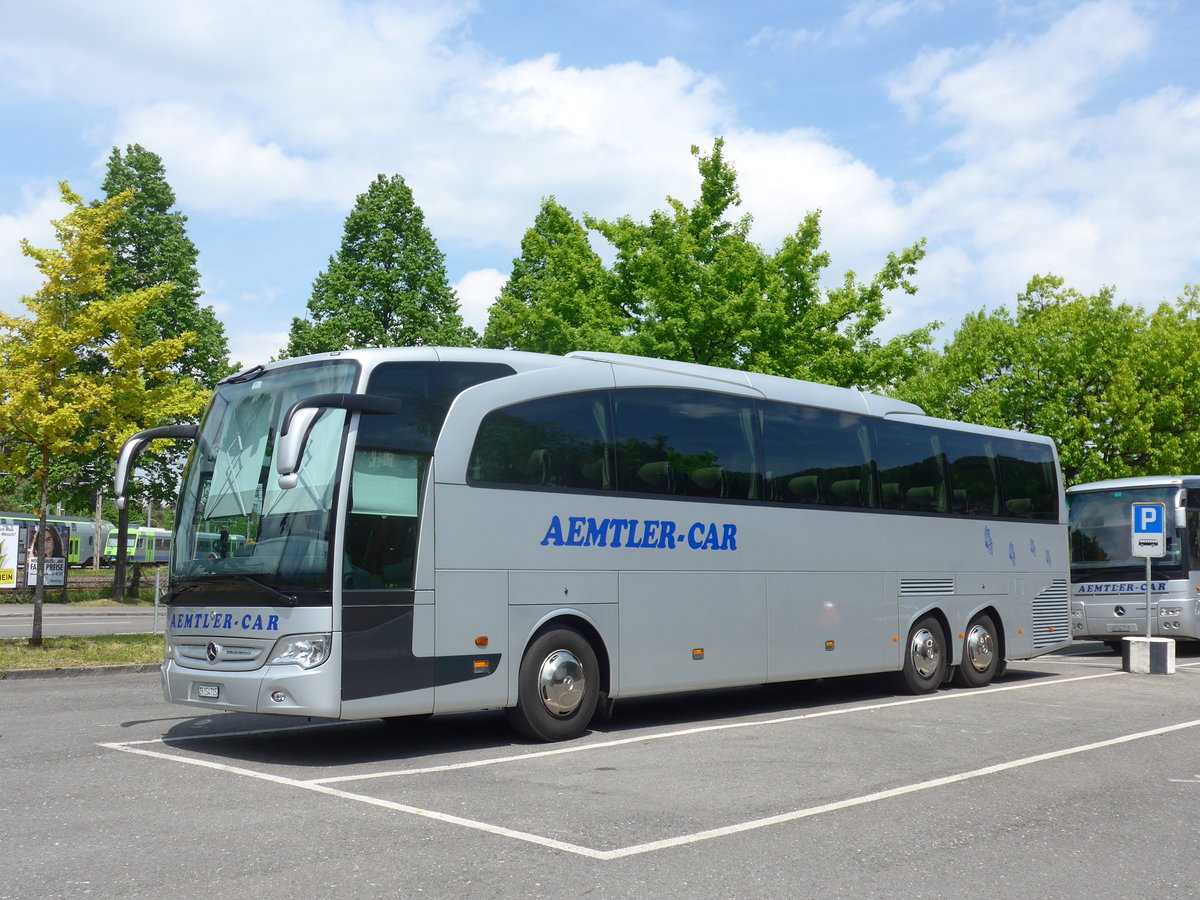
(234, 519)
(1101, 549)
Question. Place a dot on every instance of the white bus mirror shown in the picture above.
(299, 420)
(133, 448)
(1180, 517)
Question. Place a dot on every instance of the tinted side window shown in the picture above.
(975, 491)
(685, 443)
(427, 389)
(911, 470)
(1027, 479)
(816, 456)
(552, 441)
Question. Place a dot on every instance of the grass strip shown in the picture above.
(71, 652)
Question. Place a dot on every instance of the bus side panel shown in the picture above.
(829, 623)
(472, 606)
(394, 666)
(690, 630)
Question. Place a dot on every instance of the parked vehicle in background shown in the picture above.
(143, 545)
(1108, 584)
(84, 541)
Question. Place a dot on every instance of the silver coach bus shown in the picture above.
(1108, 585)
(430, 530)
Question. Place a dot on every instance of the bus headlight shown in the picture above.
(305, 650)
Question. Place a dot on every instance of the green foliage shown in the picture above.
(150, 247)
(386, 286)
(1115, 387)
(559, 295)
(690, 285)
(76, 377)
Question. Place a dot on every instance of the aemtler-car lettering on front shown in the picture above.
(386, 533)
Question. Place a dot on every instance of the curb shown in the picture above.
(73, 671)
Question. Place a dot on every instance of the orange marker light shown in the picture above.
(481, 641)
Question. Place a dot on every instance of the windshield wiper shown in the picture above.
(234, 577)
(289, 599)
(247, 375)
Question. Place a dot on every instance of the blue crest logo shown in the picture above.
(1012, 553)
(1048, 558)
(1032, 548)
(987, 541)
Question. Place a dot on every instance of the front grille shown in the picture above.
(235, 655)
(1052, 615)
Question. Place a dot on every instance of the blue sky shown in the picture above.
(1018, 138)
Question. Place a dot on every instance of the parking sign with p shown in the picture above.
(1149, 529)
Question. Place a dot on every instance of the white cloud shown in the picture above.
(1042, 181)
(476, 292)
(286, 110)
(32, 221)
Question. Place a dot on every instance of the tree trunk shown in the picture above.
(31, 549)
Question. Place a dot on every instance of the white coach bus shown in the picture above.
(1108, 584)
(432, 530)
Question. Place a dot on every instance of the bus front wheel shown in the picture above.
(557, 687)
(981, 654)
(924, 658)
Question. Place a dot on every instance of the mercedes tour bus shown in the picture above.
(1108, 584)
(427, 530)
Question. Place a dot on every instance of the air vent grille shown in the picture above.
(1052, 615)
(924, 586)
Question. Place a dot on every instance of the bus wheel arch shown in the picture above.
(982, 650)
(562, 676)
(926, 655)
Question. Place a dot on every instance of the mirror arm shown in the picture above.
(133, 448)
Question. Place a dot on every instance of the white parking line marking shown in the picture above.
(893, 792)
(500, 830)
(680, 840)
(705, 729)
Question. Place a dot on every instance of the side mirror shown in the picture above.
(1180, 517)
(299, 420)
(133, 448)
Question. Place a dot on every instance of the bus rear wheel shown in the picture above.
(924, 658)
(557, 687)
(981, 654)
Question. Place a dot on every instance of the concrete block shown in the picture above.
(1148, 656)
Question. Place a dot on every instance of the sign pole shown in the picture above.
(1149, 627)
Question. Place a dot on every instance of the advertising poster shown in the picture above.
(48, 551)
(8, 556)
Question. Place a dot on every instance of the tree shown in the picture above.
(76, 376)
(690, 285)
(559, 295)
(150, 247)
(1114, 387)
(386, 285)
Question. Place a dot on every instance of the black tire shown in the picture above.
(557, 687)
(981, 654)
(924, 659)
(1115, 646)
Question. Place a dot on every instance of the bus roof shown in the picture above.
(1145, 481)
(772, 386)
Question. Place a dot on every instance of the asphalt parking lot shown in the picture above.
(1068, 778)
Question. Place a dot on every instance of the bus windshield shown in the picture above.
(234, 519)
(1101, 546)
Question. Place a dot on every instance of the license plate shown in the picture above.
(1122, 629)
(208, 691)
